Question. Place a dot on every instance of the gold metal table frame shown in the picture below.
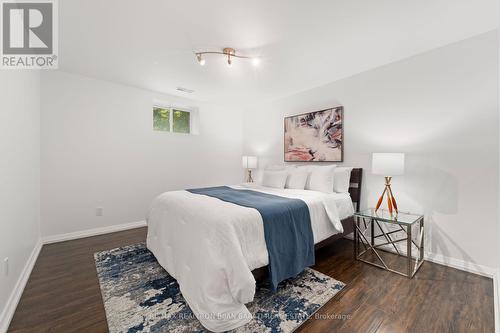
(362, 223)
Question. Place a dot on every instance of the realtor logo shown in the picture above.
(29, 34)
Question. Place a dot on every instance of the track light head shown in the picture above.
(201, 61)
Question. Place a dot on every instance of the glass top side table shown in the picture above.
(399, 230)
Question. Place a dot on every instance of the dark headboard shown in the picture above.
(355, 187)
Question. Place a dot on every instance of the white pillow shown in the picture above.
(276, 179)
(321, 178)
(297, 178)
(341, 179)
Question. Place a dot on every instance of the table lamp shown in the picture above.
(388, 165)
(249, 162)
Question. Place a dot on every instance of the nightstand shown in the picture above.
(368, 231)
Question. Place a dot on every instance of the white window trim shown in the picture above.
(171, 116)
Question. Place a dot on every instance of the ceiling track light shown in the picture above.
(229, 53)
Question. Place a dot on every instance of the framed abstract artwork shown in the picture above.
(315, 136)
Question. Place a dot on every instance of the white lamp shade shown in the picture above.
(388, 164)
(249, 162)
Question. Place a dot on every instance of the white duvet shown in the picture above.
(211, 246)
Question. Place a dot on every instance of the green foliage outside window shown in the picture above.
(181, 121)
(161, 119)
(171, 120)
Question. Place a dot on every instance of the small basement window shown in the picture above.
(171, 120)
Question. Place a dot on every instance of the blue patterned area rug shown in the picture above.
(140, 296)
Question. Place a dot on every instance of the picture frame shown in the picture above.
(316, 136)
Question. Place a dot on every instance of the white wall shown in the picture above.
(441, 109)
(19, 179)
(99, 150)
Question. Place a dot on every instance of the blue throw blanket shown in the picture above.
(287, 228)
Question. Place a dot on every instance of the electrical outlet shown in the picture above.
(6, 266)
(99, 211)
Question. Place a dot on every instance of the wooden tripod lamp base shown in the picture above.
(249, 162)
(388, 165)
(391, 201)
(249, 176)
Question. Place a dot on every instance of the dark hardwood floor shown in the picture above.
(63, 295)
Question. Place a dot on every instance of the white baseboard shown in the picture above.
(461, 265)
(15, 296)
(446, 261)
(92, 232)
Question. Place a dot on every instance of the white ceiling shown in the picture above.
(303, 44)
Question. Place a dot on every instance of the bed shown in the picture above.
(346, 215)
(217, 250)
